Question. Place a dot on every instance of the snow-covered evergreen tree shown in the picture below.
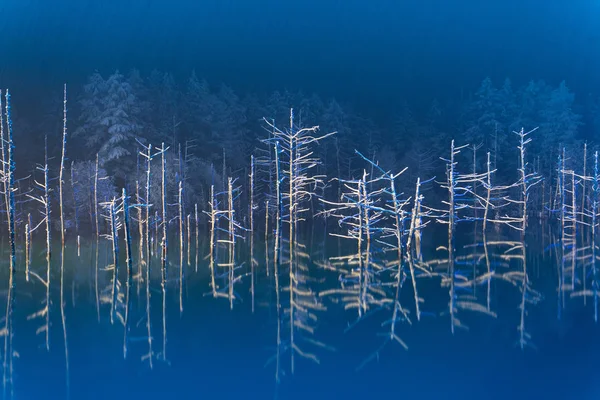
(120, 120)
(90, 115)
(198, 112)
(166, 114)
(109, 121)
(485, 113)
(228, 127)
(560, 122)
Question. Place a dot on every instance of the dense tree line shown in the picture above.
(212, 131)
(115, 111)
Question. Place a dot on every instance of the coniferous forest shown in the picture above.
(170, 235)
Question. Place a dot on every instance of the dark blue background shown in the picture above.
(370, 53)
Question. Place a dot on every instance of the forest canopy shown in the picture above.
(112, 115)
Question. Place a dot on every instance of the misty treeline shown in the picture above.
(212, 131)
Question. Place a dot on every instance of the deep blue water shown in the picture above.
(215, 352)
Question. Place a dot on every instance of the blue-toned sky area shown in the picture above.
(370, 53)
